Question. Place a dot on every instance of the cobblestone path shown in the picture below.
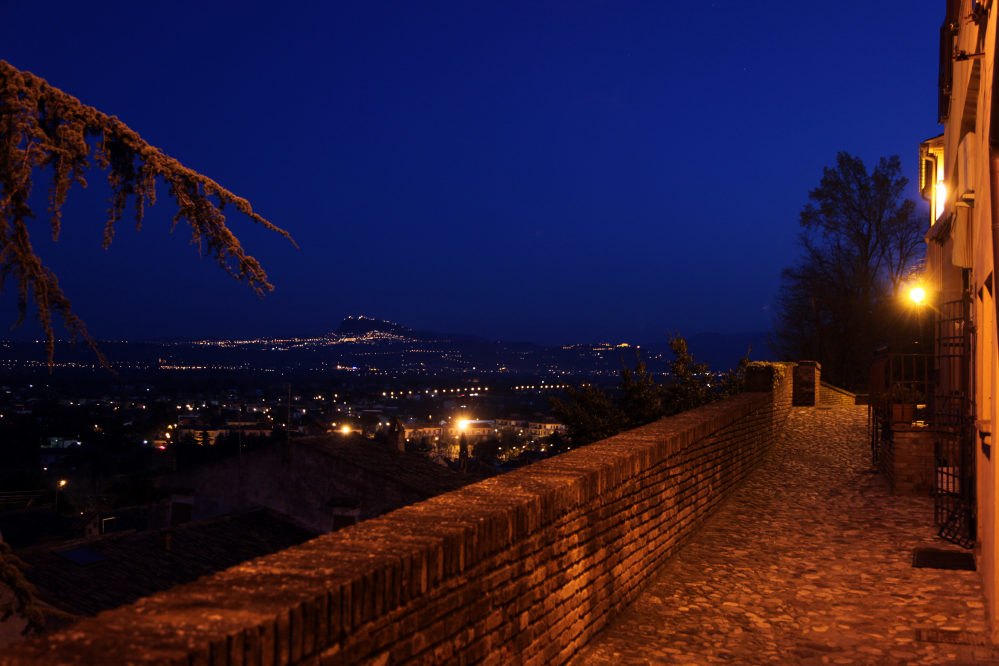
(809, 562)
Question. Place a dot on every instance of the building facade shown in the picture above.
(959, 178)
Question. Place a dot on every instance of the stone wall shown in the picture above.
(833, 395)
(521, 568)
(807, 380)
(905, 458)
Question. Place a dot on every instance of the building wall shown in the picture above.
(968, 115)
(524, 567)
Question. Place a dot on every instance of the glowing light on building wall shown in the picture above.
(941, 198)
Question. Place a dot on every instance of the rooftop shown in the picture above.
(87, 576)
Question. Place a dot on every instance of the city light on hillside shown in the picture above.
(346, 430)
(917, 295)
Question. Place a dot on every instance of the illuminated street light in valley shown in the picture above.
(61, 484)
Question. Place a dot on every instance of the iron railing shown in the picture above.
(954, 439)
(901, 386)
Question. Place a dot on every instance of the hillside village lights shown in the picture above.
(346, 430)
(61, 484)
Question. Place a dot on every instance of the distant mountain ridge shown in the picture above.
(720, 351)
(362, 325)
(367, 344)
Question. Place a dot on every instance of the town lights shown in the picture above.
(346, 430)
(917, 295)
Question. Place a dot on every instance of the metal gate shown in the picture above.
(900, 390)
(954, 442)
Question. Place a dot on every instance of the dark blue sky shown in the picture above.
(556, 171)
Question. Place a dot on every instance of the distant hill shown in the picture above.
(362, 325)
(722, 351)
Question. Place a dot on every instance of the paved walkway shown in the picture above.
(809, 562)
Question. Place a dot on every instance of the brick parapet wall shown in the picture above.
(906, 460)
(521, 568)
(833, 395)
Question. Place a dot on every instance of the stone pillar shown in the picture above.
(806, 384)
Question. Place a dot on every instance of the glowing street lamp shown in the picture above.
(61, 484)
(346, 430)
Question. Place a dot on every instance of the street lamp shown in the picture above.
(917, 295)
(61, 484)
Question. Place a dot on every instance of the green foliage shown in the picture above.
(510, 440)
(734, 381)
(487, 449)
(779, 371)
(641, 398)
(904, 394)
(691, 387)
(556, 443)
(591, 414)
(133, 490)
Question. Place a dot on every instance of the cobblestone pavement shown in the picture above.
(809, 562)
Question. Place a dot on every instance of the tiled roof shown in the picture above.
(127, 518)
(135, 565)
(25, 527)
(413, 472)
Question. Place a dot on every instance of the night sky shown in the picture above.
(555, 171)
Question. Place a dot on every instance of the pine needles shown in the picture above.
(41, 126)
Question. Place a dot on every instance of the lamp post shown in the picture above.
(61, 484)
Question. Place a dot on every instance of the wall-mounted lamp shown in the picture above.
(964, 55)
